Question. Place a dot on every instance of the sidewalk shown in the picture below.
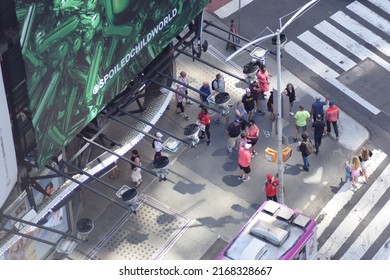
(201, 206)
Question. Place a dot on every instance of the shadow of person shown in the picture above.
(231, 181)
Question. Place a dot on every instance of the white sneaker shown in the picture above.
(244, 179)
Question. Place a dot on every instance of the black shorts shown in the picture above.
(247, 169)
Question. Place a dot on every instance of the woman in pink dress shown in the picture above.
(262, 77)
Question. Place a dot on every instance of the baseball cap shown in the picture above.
(236, 120)
(248, 90)
(319, 117)
(318, 98)
(247, 146)
(158, 134)
(269, 176)
(331, 103)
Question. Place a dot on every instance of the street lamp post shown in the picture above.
(279, 120)
(279, 96)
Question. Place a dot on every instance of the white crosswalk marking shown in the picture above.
(361, 31)
(326, 50)
(371, 17)
(370, 233)
(325, 72)
(349, 44)
(341, 198)
(384, 252)
(382, 4)
(231, 7)
(358, 213)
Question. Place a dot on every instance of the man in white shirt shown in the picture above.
(158, 145)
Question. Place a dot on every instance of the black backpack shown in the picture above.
(212, 84)
(153, 144)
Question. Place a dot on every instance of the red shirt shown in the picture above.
(204, 119)
(244, 157)
(271, 188)
(332, 114)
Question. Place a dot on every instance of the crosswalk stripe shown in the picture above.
(325, 72)
(231, 7)
(341, 198)
(369, 235)
(362, 32)
(384, 252)
(370, 16)
(384, 5)
(349, 44)
(358, 213)
(326, 50)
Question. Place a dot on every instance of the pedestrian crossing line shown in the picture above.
(383, 5)
(231, 7)
(325, 72)
(350, 44)
(326, 50)
(362, 32)
(384, 252)
(370, 233)
(370, 16)
(353, 219)
(341, 198)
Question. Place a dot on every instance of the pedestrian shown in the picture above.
(204, 120)
(244, 162)
(205, 89)
(331, 117)
(302, 118)
(233, 132)
(271, 188)
(135, 175)
(218, 84)
(243, 140)
(304, 147)
(270, 106)
(355, 171)
(179, 104)
(241, 114)
(289, 91)
(183, 78)
(250, 103)
(317, 108)
(262, 77)
(256, 90)
(364, 160)
(319, 128)
(252, 134)
(157, 145)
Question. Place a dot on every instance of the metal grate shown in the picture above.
(145, 235)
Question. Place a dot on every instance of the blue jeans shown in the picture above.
(306, 163)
